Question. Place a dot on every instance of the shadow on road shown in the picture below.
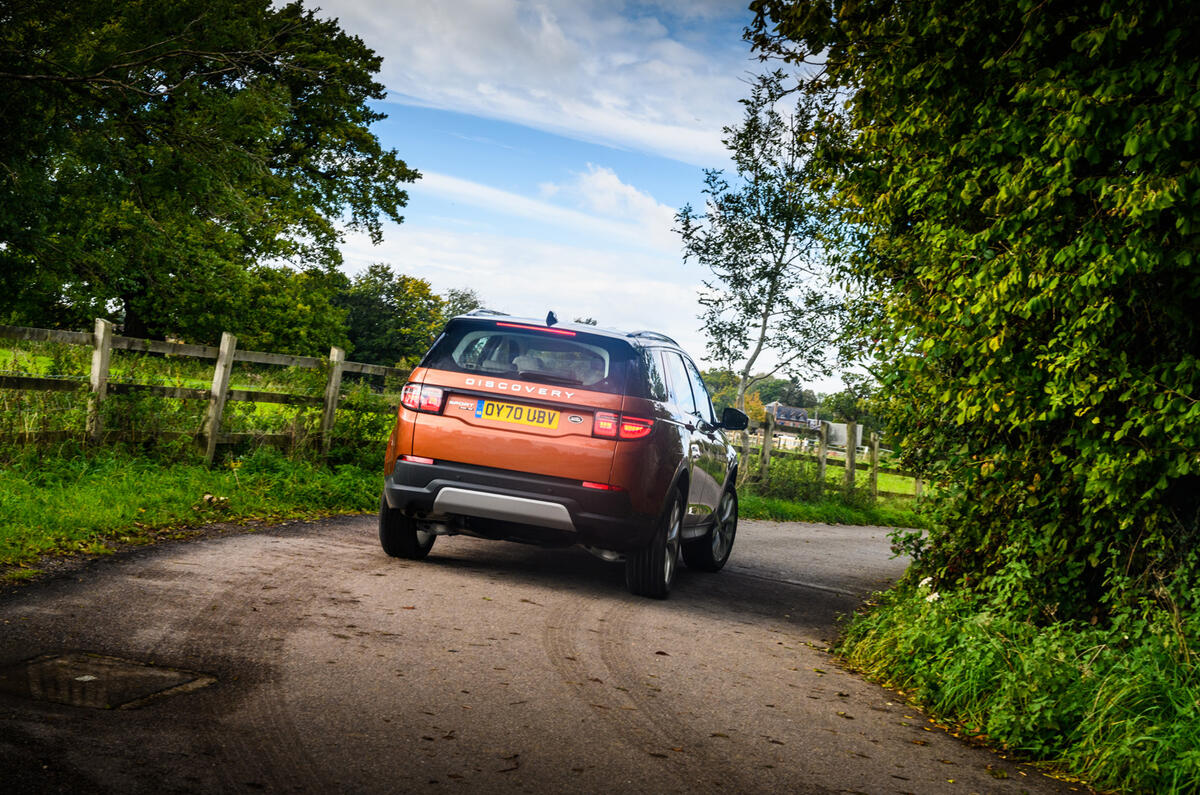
(738, 591)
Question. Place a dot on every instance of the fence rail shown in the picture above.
(760, 437)
(99, 385)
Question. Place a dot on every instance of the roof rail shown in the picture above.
(652, 335)
(485, 311)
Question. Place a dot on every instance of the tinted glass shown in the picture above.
(656, 382)
(530, 354)
(703, 402)
(679, 386)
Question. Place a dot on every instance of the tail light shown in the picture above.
(635, 427)
(619, 426)
(606, 423)
(422, 398)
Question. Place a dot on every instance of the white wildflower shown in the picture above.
(925, 583)
(933, 597)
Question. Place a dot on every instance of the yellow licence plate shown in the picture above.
(519, 415)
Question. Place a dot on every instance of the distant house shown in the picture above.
(790, 416)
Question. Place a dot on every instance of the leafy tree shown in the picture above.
(1025, 177)
(786, 391)
(153, 152)
(754, 407)
(297, 312)
(760, 236)
(722, 387)
(460, 301)
(392, 318)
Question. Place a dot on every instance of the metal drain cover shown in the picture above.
(94, 680)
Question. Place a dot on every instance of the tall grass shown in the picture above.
(88, 502)
(831, 510)
(1121, 710)
(793, 491)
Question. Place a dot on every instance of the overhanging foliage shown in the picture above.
(155, 154)
(1027, 177)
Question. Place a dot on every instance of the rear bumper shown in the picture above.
(517, 506)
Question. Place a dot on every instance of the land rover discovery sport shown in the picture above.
(515, 429)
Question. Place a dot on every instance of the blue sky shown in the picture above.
(557, 140)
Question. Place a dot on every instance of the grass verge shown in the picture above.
(87, 504)
(91, 504)
(831, 510)
(1117, 706)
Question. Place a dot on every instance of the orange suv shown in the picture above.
(520, 430)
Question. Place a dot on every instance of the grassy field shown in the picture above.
(887, 512)
(88, 504)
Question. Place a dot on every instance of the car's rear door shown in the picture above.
(706, 471)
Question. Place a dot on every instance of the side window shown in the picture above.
(703, 401)
(656, 383)
(679, 386)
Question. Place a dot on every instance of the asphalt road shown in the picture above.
(490, 667)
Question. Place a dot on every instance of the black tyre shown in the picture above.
(651, 570)
(710, 551)
(399, 536)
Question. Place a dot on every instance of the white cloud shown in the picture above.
(616, 212)
(599, 190)
(528, 277)
(662, 78)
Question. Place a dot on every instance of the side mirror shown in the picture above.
(734, 420)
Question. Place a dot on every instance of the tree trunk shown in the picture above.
(135, 324)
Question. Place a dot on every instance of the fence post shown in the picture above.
(918, 488)
(822, 451)
(216, 398)
(336, 357)
(101, 357)
(874, 464)
(764, 458)
(851, 451)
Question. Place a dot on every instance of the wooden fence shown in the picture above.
(822, 457)
(103, 342)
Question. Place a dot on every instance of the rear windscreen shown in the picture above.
(551, 356)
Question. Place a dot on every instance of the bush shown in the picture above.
(1121, 707)
(790, 478)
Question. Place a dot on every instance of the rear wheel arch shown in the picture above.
(680, 484)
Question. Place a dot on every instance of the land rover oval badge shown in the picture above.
(575, 418)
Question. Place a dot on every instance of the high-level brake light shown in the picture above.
(560, 331)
